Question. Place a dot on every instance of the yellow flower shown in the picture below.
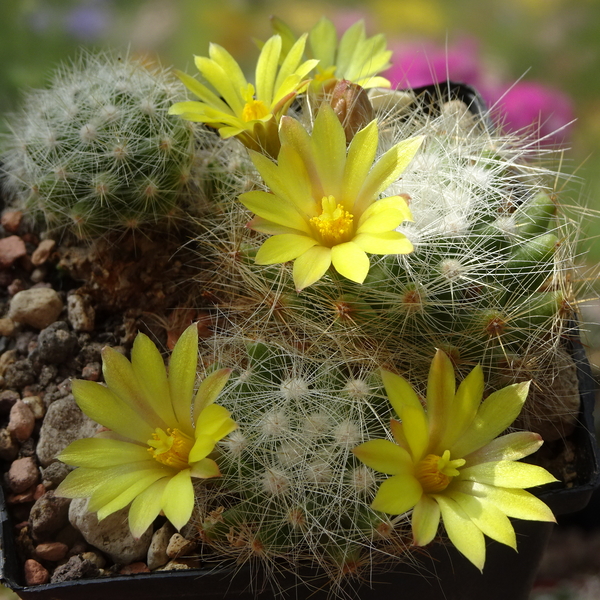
(355, 58)
(238, 108)
(160, 437)
(448, 462)
(323, 208)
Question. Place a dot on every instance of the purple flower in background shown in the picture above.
(524, 107)
(89, 21)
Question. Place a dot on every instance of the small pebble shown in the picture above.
(8, 398)
(56, 343)
(179, 546)
(42, 252)
(75, 568)
(35, 574)
(11, 219)
(15, 286)
(157, 553)
(96, 558)
(91, 371)
(54, 474)
(7, 326)
(6, 359)
(38, 275)
(21, 421)
(36, 405)
(37, 307)
(8, 446)
(48, 515)
(81, 313)
(23, 474)
(52, 551)
(23, 498)
(11, 249)
(134, 569)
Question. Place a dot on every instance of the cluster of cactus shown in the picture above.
(97, 151)
(292, 490)
(489, 282)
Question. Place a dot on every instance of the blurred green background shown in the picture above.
(555, 43)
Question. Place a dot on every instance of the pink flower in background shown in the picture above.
(548, 112)
(419, 64)
(526, 107)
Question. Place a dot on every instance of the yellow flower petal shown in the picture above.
(101, 453)
(284, 247)
(138, 482)
(311, 266)
(397, 495)
(104, 407)
(208, 391)
(389, 242)
(487, 516)
(149, 369)
(205, 469)
(122, 381)
(399, 436)
(202, 447)
(515, 503)
(399, 392)
(384, 456)
(202, 92)
(512, 446)
(416, 430)
(266, 69)
(146, 507)
(80, 483)
(323, 42)
(463, 533)
(273, 209)
(329, 150)
(508, 474)
(182, 377)
(361, 154)
(214, 421)
(350, 261)
(229, 65)
(425, 521)
(384, 215)
(466, 403)
(441, 387)
(178, 499)
(387, 170)
(495, 414)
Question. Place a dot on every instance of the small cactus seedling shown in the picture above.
(98, 151)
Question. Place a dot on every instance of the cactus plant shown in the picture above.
(97, 150)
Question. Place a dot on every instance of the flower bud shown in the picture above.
(352, 106)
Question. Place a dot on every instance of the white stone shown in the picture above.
(111, 535)
(81, 313)
(37, 307)
(157, 552)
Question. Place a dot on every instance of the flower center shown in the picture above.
(436, 472)
(254, 109)
(171, 448)
(334, 224)
(325, 74)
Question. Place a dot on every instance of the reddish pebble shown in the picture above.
(24, 498)
(11, 220)
(42, 252)
(52, 551)
(40, 490)
(35, 574)
(135, 568)
(11, 249)
(23, 474)
(21, 421)
(91, 371)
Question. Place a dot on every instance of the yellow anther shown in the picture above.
(334, 224)
(253, 110)
(436, 472)
(171, 448)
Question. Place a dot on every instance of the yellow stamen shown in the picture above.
(334, 224)
(253, 110)
(436, 472)
(171, 448)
